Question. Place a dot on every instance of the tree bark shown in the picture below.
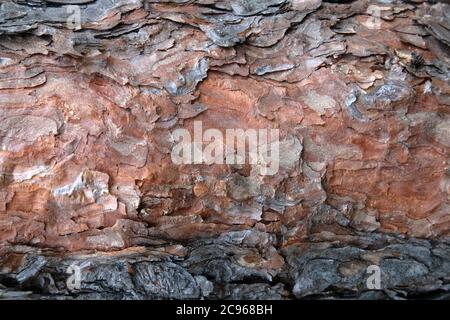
(92, 93)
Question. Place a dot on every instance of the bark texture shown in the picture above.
(360, 92)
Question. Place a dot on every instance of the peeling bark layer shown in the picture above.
(359, 90)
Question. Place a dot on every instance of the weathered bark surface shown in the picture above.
(362, 101)
(235, 265)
